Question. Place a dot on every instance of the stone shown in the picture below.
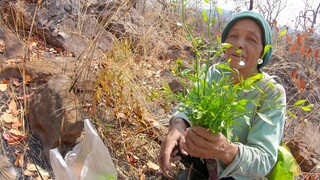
(54, 115)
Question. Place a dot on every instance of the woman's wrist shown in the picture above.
(230, 154)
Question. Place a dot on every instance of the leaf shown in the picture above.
(309, 52)
(288, 38)
(301, 84)
(204, 16)
(27, 78)
(299, 39)
(283, 32)
(152, 166)
(265, 118)
(293, 48)
(302, 50)
(316, 54)
(13, 107)
(226, 45)
(307, 108)
(300, 102)
(266, 49)
(31, 167)
(294, 73)
(277, 29)
(3, 87)
(291, 114)
(7, 118)
(206, 1)
(219, 10)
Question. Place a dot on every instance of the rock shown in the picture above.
(54, 115)
(10, 45)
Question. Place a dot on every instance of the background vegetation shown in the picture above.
(130, 107)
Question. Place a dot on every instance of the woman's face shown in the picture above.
(245, 35)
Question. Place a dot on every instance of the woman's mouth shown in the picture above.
(240, 58)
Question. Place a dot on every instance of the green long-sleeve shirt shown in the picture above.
(258, 142)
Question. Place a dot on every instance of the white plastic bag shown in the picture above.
(89, 160)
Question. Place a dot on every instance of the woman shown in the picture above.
(253, 150)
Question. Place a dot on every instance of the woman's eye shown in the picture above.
(252, 40)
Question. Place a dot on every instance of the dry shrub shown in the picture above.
(122, 112)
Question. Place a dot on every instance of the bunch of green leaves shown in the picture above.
(215, 103)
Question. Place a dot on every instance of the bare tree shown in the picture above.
(308, 17)
(271, 9)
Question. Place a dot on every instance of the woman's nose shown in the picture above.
(239, 43)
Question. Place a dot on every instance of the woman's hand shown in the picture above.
(200, 142)
(169, 147)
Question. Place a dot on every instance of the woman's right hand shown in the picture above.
(170, 145)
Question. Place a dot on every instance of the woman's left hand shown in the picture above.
(200, 142)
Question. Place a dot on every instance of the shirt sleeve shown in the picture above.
(257, 157)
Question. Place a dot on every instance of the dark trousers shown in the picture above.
(198, 170)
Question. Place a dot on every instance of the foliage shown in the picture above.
(286, 167)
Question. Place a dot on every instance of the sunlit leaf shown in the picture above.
(7, 118)
(13, 107)
(226, 45)
(266, 49)
(291, 114)
(3, 87)
(206, 1)
(300, 102)
(307, 108)
(204, 16)
(283, 32)
(219, 10)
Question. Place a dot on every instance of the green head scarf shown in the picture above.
(264, 26)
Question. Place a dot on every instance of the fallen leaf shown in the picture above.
(17, 134)
(19, 160)
(142, 177)
(7, 118)
(27, 78)
(133, 160)
(26, 172)
(16, 123)
(152, 166)
(31, 167)
(13, 107)
(3, 87)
